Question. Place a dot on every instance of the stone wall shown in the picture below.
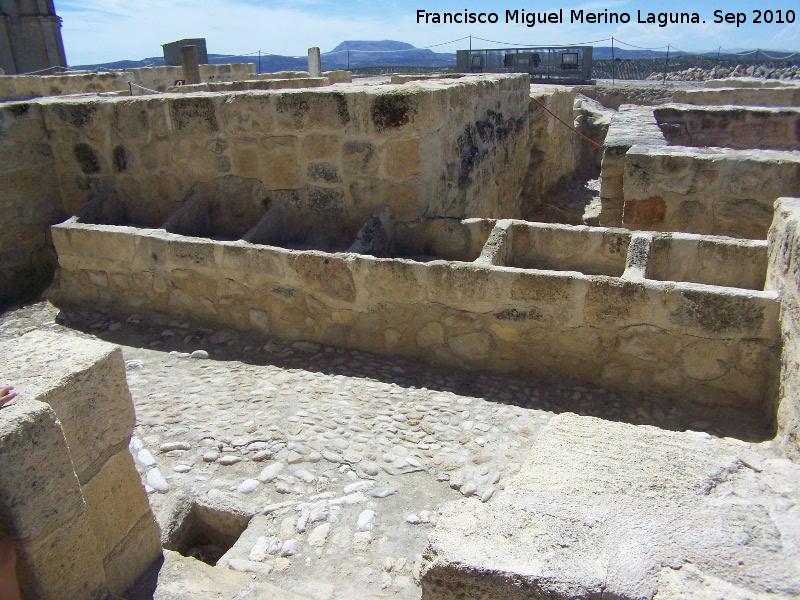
(647, 184)
(706, 190)
(157, 78)
(785, 96)
(555, 150)
(631, 125)
(784, 276)
(29, 202)
(268, 81)
(508, 310)
(450, 148)
(745, 128)
(70, 496)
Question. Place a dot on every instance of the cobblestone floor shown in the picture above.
(345, 457)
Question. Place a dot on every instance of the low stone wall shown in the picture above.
(268, 81)
(70, 495)
(14, 87)
(444, 148)
(784, 276)
(706, 190)
(241, 86)
(707, 344)
(646, 184)
(747, 82)
(744, 128)
(784, 96)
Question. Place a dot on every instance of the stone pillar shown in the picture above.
(314, 62)
(189, 64)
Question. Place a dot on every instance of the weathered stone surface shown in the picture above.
(621, 491)
(784, 276)
(40, 497)
(86, 387)
(181, 578)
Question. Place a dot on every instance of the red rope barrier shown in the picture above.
(557, 118)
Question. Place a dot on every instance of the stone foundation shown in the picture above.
(70, 495)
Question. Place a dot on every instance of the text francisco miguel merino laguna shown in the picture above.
(531, 18)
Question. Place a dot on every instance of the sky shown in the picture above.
(96, 31)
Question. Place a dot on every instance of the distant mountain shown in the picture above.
(373, 46)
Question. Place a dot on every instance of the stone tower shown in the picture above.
(30, 36)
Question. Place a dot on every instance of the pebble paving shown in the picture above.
(344, 457)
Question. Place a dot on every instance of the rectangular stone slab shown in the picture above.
(603, 509)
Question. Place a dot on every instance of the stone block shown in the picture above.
(360, 158)
(403, 158)
(133, 555)
(599, 508)
(86, 387)
(115, 500)
(321, 147)
(40, 497)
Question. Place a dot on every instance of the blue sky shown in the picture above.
(105, 30)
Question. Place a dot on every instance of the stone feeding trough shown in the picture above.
(675, 314)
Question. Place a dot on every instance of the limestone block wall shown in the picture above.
(648, 184)
(781, 96)
(29, 202)
(71, 497)
(630, 126)
(158, 78)
(728, 127)
(555, 152)
(706, 190)
(517, 307)
(747, 82)
(784, 276)
(451, 148)
(256, 84)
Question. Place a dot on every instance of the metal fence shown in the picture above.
(566, 64)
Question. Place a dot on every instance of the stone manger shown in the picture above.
(624, 331)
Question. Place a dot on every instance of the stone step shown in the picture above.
(605, 509)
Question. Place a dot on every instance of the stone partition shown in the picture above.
(439, 148)
(70, 495)
(784, 276)
(781, 96)
(704, 343)
(630, 126)
(744, 128)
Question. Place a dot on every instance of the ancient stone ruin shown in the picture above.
(401, 219)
